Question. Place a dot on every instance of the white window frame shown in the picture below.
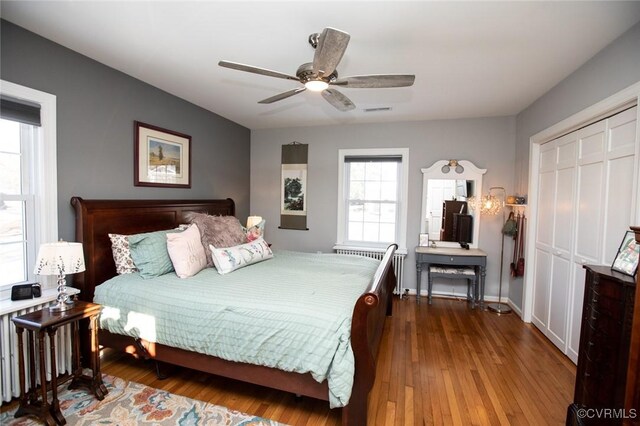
(44, 177)
(342, 242)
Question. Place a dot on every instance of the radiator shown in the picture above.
(398, 264)
(9, 373)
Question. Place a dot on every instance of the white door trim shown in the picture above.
(625, 98)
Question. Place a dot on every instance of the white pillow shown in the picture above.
(186, 252)
(231, 258)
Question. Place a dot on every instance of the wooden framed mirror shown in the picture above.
(448, 187)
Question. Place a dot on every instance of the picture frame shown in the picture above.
(626, 260)
(424, 240)
(162, 157)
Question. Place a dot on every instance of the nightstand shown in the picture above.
(44, 322)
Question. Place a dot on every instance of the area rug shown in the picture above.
(129, 404)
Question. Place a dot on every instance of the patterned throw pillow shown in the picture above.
(231, 258)
(186, 252)
(122, 254)
(218, 231)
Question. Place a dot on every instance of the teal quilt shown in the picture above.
(292, 312)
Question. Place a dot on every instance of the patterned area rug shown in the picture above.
(130, 404)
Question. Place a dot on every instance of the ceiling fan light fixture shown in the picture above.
(316, 85)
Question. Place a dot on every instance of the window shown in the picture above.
(372, 197)
(16, 200)
(28, 204)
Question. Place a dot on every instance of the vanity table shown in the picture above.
(455, 183)
(451, 256)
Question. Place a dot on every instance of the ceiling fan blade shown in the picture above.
(376, 81)
(338, 100)
(331, 46)
(282, 95)
(256, 70)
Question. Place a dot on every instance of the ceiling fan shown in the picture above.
(321, 74)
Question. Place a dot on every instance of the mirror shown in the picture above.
(446, 214)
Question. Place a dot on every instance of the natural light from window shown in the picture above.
(15, 200)
(373, 190)
(372, 198)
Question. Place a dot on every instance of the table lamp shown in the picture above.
(253, 220)
(60, 258)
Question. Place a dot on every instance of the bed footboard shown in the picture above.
(367, 326)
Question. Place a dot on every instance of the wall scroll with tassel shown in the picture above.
(293, 186)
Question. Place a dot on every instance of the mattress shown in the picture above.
(292, 312)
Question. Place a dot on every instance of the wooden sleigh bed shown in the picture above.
(97, 218)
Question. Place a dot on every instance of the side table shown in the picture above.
(45, 322)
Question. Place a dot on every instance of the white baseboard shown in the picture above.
(515, 309)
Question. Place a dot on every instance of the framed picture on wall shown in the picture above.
(626, 260)
(161, 157)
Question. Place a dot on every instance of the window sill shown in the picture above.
(9, 306)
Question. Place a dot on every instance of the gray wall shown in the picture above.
(612, 69)
(487, 142)
(96, 107)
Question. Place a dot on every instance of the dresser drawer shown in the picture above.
(452, 260)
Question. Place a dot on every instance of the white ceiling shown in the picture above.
(471, 59)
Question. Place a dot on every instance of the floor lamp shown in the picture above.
(491, 204)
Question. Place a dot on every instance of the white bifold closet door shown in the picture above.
(585, 189)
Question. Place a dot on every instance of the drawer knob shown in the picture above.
(451, 258)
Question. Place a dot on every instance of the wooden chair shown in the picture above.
(450, 272)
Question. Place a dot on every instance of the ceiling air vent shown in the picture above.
(377, 109)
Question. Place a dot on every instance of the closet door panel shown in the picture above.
(546, 203)
(558, 295)
(564, 211)
(589, 205)
(622, 133)
(566, 156)
(592, 143)
(548, 157)
(542, 278)
(575, 311)
(618, 206)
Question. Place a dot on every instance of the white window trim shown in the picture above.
(404, 192)
(45, 174)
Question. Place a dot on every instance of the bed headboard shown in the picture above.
(97, 218)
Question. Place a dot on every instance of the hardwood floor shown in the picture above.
(443, 364)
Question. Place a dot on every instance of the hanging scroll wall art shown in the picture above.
(293, 186)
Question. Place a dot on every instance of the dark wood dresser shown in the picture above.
(605, 337)
(632, 395)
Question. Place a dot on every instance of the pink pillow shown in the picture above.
(186, 252)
